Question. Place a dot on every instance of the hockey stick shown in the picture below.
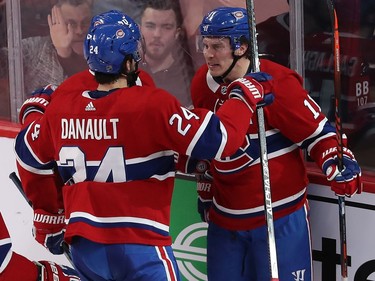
(13, 176)
(340, 154)
(255, 67)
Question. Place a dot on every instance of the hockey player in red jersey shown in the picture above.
(15, 267)
(234, 203)
(114, 148)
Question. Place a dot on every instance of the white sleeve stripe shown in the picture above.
(32, 169)
(199, 133)
(224, 141)
(317, 131)
(310, 147)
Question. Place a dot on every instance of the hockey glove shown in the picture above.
(254, 89)
(49, 230)
(49, 271)
(38, 102)
(346, 182)
(205, 194)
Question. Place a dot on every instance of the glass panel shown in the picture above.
(356, 26)
(4, 69)
(50, 56)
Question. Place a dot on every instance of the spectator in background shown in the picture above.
(50, 59)
(165, 57)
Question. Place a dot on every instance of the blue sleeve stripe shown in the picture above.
(324, 130)
(210, 140)
(5, 253)
(27, 158)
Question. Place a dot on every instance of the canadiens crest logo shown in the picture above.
(120, 34)
(223, 90)
(238, 14)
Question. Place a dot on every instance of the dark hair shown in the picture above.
(164, 5)
(107, 78)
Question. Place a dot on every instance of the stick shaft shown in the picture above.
(337, 88)
(255, 67)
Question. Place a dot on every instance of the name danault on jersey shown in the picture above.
(89, 129)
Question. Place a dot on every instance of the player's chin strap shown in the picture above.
(132, 75)
(220, 79)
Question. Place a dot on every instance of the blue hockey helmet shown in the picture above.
(226, 22)
(107, 45)
(115, 17)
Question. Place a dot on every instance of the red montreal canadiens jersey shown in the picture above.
(85, 80)
(293, 120)
(116, 153)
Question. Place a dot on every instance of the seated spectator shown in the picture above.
(165, 57)
(50, 59)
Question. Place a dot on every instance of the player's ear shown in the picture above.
(241, 50)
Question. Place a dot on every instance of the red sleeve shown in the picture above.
(293, 111)
(44, 191)
(146, 78)
(19, 268)
(80, 81)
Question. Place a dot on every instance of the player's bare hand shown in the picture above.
(61, 32)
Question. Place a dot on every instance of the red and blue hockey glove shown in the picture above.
(205, 194)
(49, 230)
(38, 102)
(49, 271)
(346, 182)
(254, 89)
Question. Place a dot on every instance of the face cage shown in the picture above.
(138, 55)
